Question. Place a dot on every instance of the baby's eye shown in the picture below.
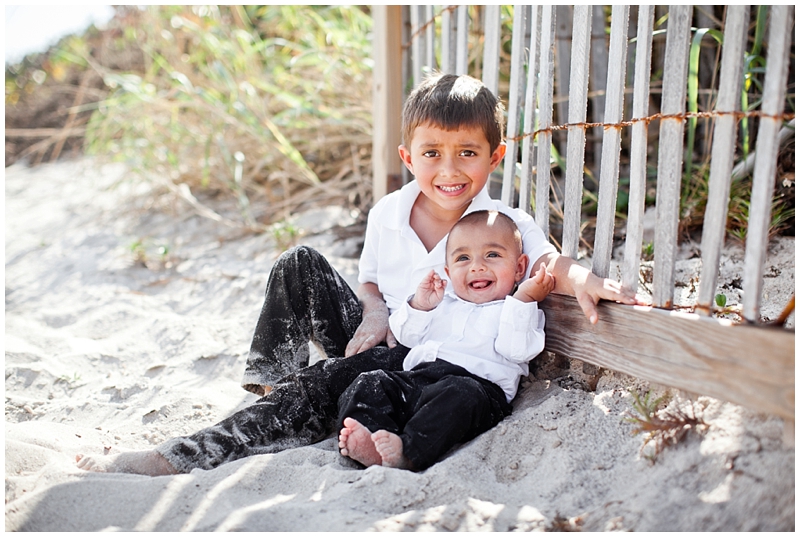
(462, 258)
(492, 254)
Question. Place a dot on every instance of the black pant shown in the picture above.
(306, 299)
(431, 408)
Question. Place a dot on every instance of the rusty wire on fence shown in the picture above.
(448, 9)
(659, 116)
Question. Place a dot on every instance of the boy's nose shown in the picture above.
(449, 168)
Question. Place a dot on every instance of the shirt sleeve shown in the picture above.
(368, 262)
(410, 326)
(521, 334)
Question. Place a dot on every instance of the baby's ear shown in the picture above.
(522, 267)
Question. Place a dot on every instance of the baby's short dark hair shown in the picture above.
(489, 218)
(451, 102)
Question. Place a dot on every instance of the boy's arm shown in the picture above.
(374, 326)
(578, 281)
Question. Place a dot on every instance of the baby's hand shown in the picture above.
(429, 292)
(537, 287)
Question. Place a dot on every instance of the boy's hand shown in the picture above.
(374, 328)
(535, 288)
(593, 289)
(430, 292)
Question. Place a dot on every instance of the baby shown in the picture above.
(468, 351)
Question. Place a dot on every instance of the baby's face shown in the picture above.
(483, 263)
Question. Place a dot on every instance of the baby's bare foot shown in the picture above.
(150, 463)
(390, 448)
(355, 441)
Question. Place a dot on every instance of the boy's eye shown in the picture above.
(468, 153)
(430, 153)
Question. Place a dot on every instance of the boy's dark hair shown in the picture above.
(488, 218)
(451, 102)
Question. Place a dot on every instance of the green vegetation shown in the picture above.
(254, 103)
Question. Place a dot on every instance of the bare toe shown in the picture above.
(390, 448)
(355, 442)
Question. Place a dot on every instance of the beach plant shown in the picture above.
(662, 424)
(70, 381)
(259, 104)
(285, 234)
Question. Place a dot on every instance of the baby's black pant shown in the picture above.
(431, 408)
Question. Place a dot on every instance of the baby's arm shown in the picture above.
(537, 287)
(430, 292)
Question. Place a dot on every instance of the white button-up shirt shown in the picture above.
(495, 340)
(394, 257)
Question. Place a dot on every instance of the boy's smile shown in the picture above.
(451, 167)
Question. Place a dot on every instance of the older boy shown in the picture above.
(452, 133)
(469, 348)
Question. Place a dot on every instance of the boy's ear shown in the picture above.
(405, 156)
(522, 267)
(497, 155)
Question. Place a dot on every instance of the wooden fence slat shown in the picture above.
(417, 43)
(529, 122)
(612, 138)
(687, 351)
(638, 171)
(576, 133)
(448, 42)
(598, 80)
(766, 158)
(670, 153)
(491, 47)
(462, 40)
(387, 100)
(430, 35)
(545, 137)
(516, 85)
(722, 152)
(564, 23)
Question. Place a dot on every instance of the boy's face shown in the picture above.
(483, 263)
(451, 167)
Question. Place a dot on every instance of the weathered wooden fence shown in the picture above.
(744, 363)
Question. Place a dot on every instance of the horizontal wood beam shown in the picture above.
(752, 366)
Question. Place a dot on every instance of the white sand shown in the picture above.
(104, 355)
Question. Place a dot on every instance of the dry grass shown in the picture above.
(662, 427)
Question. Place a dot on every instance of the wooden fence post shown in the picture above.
(387, 100)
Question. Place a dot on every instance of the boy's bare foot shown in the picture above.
(149, 462)
(355, 441)
(390, 448)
